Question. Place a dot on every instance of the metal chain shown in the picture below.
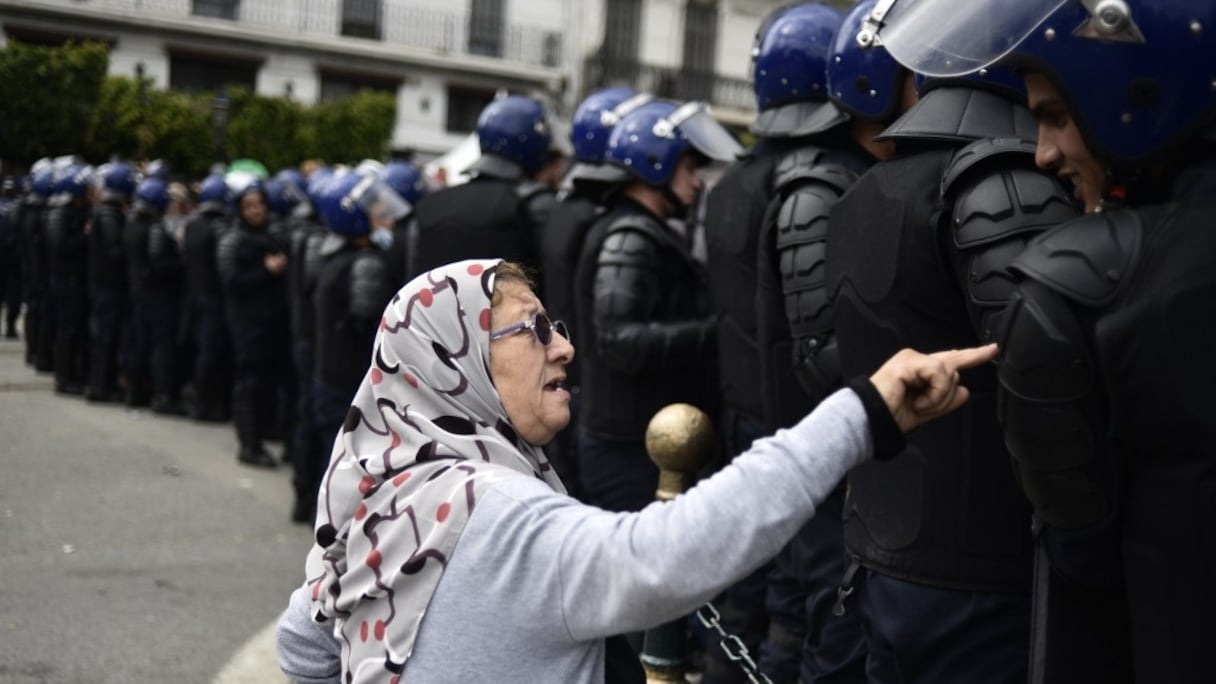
(732, 645)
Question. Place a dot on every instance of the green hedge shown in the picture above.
(58, 101)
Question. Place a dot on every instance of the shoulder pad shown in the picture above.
(641, 224)
(959, 115)
(994, 192)
(790, 163)
(529, 189)
(980, 151)
(806, 165)
(1087, 259)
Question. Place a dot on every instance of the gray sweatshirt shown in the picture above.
(538, 579)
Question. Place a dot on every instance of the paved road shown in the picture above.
(134, 547)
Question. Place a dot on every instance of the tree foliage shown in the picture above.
(58, 101)
(354, 128)
(46, 98)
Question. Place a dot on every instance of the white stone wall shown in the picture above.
(133, 49)
(285, 72)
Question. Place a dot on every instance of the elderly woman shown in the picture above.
(446, 549)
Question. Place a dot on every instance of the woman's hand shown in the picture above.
(920, 387)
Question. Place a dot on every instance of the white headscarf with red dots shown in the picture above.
(425, 435)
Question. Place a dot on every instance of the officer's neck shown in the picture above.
(650, 198)
(863, 132)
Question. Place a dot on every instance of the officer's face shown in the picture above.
(1060, 148)
(528, 375)
(685, 182)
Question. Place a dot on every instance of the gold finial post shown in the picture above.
(680, 440)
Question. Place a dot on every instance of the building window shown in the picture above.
(486, 21)
(361, 18)
(464, 107)
(552, 54)
(220, 9)
(336, 85)
(197, 72)
(622, 24)
(700, 44)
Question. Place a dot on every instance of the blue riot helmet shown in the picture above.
(1136, 75)
(281, 198)
(42, 179)
(405, 179)
(514, 128)
(213, 194)
(868, 83)
(290, 176)
(72, 182)
(591, 127)
(648, 143)
(152, 197)
(117, 181)
(354, 204)
(789, 72)
(317, 180)
(596, 115)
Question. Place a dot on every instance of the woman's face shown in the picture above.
(530, 377)
(253, 208)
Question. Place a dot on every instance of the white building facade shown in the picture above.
(443, 60)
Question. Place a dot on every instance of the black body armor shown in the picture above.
(1105, 395)
(645, 334)
(917, 245)
(353, 287)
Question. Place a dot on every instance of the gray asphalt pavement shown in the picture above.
(134, 547)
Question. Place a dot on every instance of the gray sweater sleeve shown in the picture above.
(572, 573)
(308, 652)
(624, 572)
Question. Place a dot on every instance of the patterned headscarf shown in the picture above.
(425, 436)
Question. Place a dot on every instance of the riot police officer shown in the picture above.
(407, 181)
(1106, 346)
(151, 201)
(252, 264)
(938, 538)
(161, 294)
(354, 285)
(67, 263)
(10, 257)
(34, 268)
(645, 328)
(307, 234)
(502, 210)
(207, 320)
(821, 102)
(579, 203)
(108, 297)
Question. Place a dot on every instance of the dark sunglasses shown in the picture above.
(539, 324)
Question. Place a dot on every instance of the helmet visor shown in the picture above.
(951, 38)
(383, 205)
(704, 133)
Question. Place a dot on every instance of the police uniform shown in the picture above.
(919, 245)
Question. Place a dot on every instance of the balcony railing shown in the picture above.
(669, 82)
(397, 22)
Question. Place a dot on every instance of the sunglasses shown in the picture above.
(539, 324)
